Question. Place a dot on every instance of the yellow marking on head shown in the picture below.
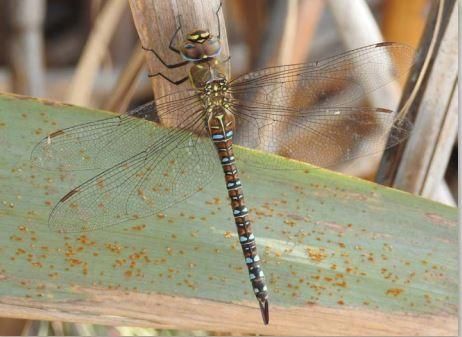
(194, 37)
(205, 35)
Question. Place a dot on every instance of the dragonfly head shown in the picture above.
(200, 45)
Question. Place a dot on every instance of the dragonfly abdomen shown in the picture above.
(221, 127)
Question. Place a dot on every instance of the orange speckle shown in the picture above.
(394, 291)
(341, 284)
(113, 247)
(74, 262)
(315, 254)
(138, 227)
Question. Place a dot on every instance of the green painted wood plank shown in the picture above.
(325, 238)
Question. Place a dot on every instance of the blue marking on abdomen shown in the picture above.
(217, 136)
(240, 211)
(246, 239)
(233, 184)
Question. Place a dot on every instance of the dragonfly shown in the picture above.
(147, 166)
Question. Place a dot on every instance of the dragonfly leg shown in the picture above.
(172, 48)
(178, 82)
(170, 66)
(218, 19)
(170, 45)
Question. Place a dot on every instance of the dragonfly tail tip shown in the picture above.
(264, 307)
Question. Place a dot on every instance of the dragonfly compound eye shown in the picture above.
(191, 52)
(212, 47)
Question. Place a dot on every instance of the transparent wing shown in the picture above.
(292, 110)
(322, 137)
(354, 73)
(175, 167)
(103, 143)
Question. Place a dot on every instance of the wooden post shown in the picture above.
(156, 22)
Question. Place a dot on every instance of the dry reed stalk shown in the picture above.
(94, 52)
(123, 92)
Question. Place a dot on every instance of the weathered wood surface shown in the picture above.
(156, 22)
(342, 256)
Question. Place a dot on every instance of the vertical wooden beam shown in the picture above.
(156, 22)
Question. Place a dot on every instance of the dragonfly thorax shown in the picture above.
(215, 94)
(202, 73)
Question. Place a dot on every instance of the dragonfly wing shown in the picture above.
(103, 143)
(322, 137)
(291, 110)
(354, 73)
(171, 170)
